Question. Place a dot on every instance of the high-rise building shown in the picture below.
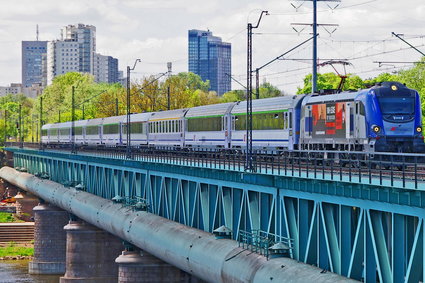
(210, 58)
(106, 69)
(85, 36)
(62, 57)
(76, 52)
(34, 65)
(14, 88)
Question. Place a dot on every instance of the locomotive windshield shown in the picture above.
(397, 105)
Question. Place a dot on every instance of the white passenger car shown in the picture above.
(139, 129)
(111, 130)
(94, 131)
(45, 133)
(167, 128)
(79, 131)
(272, 123)
(209, 125)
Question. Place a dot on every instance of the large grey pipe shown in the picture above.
(189, 249)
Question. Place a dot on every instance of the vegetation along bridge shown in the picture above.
(357, 215)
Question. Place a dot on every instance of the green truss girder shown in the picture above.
(366, 233)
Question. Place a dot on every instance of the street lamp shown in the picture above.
(128, 108)
(248, 165)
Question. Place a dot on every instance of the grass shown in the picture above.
(13, 249)
(6, 217)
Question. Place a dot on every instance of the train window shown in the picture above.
(110, 129)
(204, 124)
(54, 132)
(240, 123)
(78, 131)
(362, 109)
(137, 128)
(43, 132)
(92, 130)
(290, 120)
(64, 131)
(357, 108)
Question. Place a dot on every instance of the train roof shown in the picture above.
(343, 96)
(168, 115)
(139, 117)
(80, 123)
(94, 122)
(47, 126)
(210, 110)
(114, 120)
(269, 104)
(61, 125)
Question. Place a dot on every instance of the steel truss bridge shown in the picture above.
(360, 217)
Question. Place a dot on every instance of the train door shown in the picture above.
(357, 120)
(291, 132)
(227, 128)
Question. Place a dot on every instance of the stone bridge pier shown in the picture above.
(84, 253)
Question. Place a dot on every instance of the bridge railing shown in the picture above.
(399, 170)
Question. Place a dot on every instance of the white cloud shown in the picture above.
(156, 31)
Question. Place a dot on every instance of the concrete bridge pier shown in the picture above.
(49, 240)
(138, 266)
(90, 254)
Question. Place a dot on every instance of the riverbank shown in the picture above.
(15, 251)
(17, 271)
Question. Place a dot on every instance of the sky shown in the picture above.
(156, 32)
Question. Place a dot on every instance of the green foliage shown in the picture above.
(268, 90)
(233, 96)
(11, 249)
(6, 217)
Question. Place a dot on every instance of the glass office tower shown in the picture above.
(210, 58)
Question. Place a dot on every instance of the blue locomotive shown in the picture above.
(384, 118)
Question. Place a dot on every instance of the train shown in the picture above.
(384, 118)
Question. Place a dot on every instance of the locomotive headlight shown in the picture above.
(376, 129)
(419, 129)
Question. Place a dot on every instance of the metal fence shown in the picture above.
(399, 170)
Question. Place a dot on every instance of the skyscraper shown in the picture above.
(34, 63)
(210, 58)
(85, 36)
(106, 69)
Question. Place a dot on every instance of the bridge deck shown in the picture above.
(364, 222)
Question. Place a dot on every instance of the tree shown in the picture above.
(268, 90)
(233, 96)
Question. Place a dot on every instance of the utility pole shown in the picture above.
(315, 25)
(314, 82)
(73, 119)
(21, 145)
(248, 163)
(169, 66)
(128, 108)
(41, 122)
(257, 70)
(5, 126)
(116, 107)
